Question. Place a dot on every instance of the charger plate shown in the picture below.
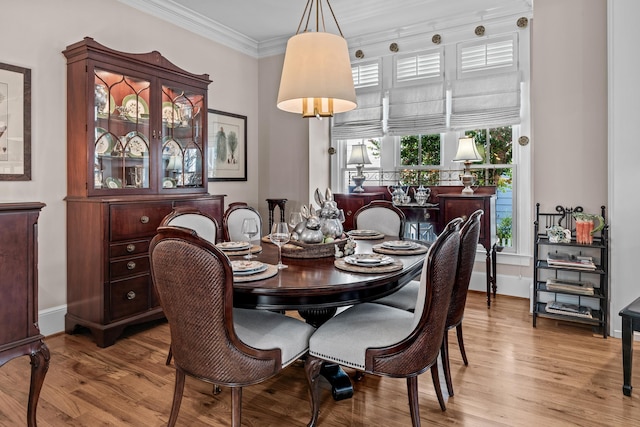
(271, 271)
(342, 265)
(254, 250)
(421, 249)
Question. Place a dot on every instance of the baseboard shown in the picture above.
(51, 320)
(506, 285)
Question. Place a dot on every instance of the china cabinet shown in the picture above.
(136, 149)
(570, 277)
(19, 334)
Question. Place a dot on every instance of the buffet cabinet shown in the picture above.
(109, 284)
(136, 149)
(351, 202)
(19, 334)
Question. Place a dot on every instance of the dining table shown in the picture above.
(317, 287)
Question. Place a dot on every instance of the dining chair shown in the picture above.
(382, 216)
(406, 297)
(385, 341)
(193, 219)
(211, 340)
(232, 221)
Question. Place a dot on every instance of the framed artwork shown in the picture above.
(15, 123)
(227, 156)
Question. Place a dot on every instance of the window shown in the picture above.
(498, 54)
(422, 65)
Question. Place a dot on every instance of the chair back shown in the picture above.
(469, 235)
(232, 221)
(194, 282)
(206, 227)
(419, 350)
(382, 216)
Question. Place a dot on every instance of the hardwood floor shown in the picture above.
(558, 374)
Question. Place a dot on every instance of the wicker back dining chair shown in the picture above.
(211, 340)
(406, 297)
(385, 341)
(232, 221)
(382, 216)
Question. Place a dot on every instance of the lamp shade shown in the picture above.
(316, 76)
(359, 155)
(467, 151)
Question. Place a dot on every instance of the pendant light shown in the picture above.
(316, 76)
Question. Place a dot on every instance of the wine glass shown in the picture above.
(279, 236)
(295, 218)
(249, 229)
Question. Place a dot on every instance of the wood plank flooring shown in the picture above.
(558, 374)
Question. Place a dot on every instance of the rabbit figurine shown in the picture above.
(329, 214)
(311, 233)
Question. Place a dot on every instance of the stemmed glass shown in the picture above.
(279, 236)
(249, 229)
(295, 218)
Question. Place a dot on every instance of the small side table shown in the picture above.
(630, 323)
(272, 204)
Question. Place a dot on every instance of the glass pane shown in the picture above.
(183, 115)
(500, 140)
(121, 131)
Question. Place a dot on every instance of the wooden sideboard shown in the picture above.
(19, 334)
(351, 202)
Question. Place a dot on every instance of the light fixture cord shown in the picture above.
(308, 9)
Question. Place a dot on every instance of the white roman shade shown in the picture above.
(417, 109)
(363, 122)
(486, 101)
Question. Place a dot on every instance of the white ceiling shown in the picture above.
(261, 27)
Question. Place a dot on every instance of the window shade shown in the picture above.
(363, 122)
(418, 66)
(417, 110)
(487, 101)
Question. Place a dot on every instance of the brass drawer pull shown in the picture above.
(349, 213)
(131, 295)
(131, 247)
(131, 265)
(144, 219)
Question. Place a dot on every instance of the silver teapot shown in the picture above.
(398, 194)
(421, 194)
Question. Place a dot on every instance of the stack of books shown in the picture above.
(568, 309)
(563, 259)
(577, 287)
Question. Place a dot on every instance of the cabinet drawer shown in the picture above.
(135, 220)
(129, 297)
(129, 267)
(129, 248)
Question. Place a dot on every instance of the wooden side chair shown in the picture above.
(382, 216)
(211, 340)
(406, 297)
(385, 341)
(232, 221)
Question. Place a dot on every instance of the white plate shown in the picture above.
(136, 143)
(170, 114)
(241, 268)
(399, 244)
(104, 141)
(372, 260)
(168, 182)
(363, 233)
(233, 246)
(135, 107)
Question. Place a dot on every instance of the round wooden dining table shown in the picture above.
(317, 288)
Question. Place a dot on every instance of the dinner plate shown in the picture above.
(241, 267)
(134, 107)
(170, 147)
(136, 143)
(168, 182)
(399, 244)
(112, 182)
(170, 114)
(363, 233)
(104, 141)
(233, 246)
(371, 260)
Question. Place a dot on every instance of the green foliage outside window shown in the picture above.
(500, 152)
(420, 150)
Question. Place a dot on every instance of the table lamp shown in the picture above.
(467, 153)
(359, 157)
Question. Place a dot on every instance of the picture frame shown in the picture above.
(227, 146)
(15, 123)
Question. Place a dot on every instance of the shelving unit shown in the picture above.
(582, 278)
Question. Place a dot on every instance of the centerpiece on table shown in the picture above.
(320, 233)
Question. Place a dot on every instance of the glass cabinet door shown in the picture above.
(183, 120)
(121, 131)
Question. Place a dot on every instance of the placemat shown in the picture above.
(271, 271)
(342, 265)
(422, 249)
(254, 250)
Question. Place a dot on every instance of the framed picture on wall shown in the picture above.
(15, 123)
(227, 156)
